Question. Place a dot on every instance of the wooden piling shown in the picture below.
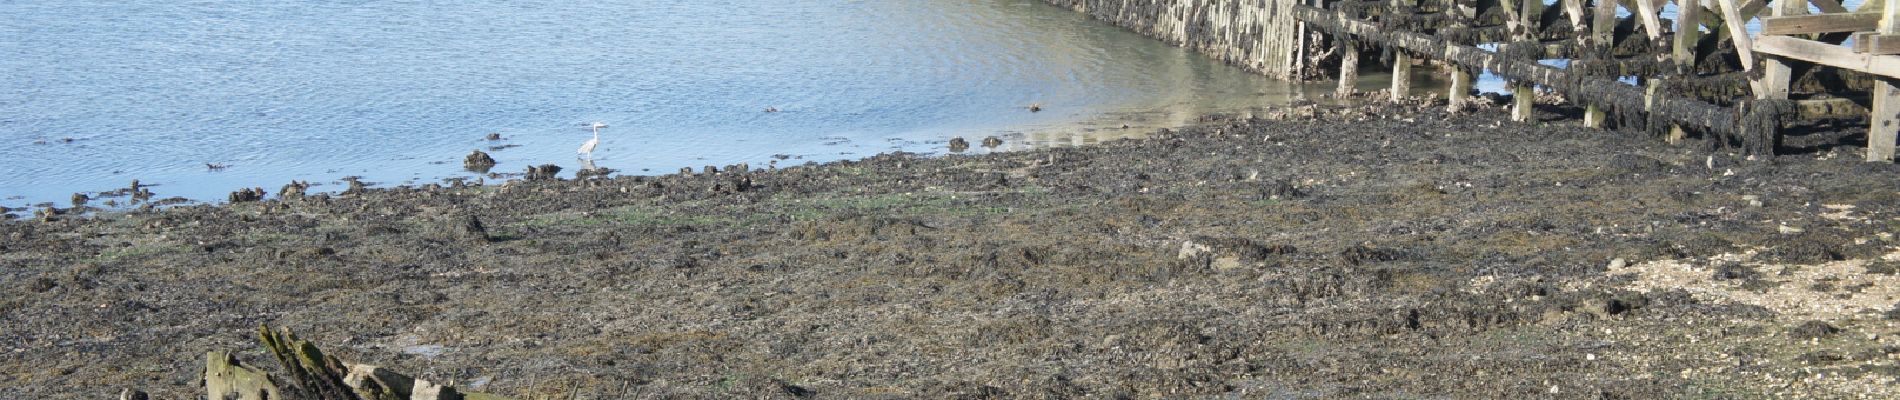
(1401, 62)
(1523, 24)
(1886, 112)
(1776, 70)
(1348, 67)
(1602, 35)
(1688, 33)
(1460, 91)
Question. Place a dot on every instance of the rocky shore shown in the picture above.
(1315, 252)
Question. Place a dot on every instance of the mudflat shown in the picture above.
(1315, 252)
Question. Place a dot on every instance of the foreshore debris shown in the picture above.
(312, 375)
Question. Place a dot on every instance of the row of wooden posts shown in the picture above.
(1727, 82)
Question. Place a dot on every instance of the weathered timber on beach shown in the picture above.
(1257, 35)
(313, 375)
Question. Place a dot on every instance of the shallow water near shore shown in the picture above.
(102, 93)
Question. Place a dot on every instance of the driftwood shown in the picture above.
(313, 375)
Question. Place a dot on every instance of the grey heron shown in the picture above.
(587, 149)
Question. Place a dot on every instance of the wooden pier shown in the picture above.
(1701, 73)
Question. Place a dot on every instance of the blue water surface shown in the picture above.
(94, 94)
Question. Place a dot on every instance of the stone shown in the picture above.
(545, 172)
(478, 162)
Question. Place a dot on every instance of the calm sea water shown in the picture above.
(94, 94)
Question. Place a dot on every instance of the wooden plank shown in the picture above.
(1830, 108)
(1874, 43)
(1829, 55)
(1574, 9)
(1821, 23)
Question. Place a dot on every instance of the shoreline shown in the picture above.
(1370, 250)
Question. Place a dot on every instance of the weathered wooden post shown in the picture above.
(1603, 35)
(1688, 32)
(1401, 63)
(1736, 21)
(1523, 25)
(1348, 66)
(1776, 70)
(1650, 16)
(1460, 90)
(1886, 112)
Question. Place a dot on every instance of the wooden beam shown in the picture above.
(1738, 31)
(1652, 23)
(1874, 43)
(1820, 23)
(1829, 55)
(1830, 108)
(1688, 33)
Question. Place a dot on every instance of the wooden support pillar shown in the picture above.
(1574, 10)
(1776, 71)
(1460, 91)
(1602, 31)
(1886, 120)
(1401, 76)
(1401, 63)
(1523, 24)
(1735, 19)
(1886, 112)
(1348, 67)
(1688, 32)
